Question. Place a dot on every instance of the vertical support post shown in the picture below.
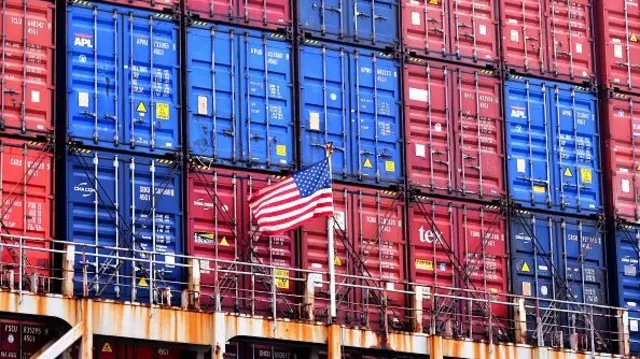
(194, 282)
(67, 270)
(334, 342)
(520, 321)
(623, 332)
(87, 329)
(540, 353)
(417, 310)
(333, 311)
(436, 347)
(220, 335)
(309, 296)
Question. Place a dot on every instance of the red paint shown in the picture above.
(28, 79)
(621, 154)
(369, 241)
(549, 38)
(459, 30)
(220, 227)
(465, 249)
(269, 14)
(454, 128)
(22, 339)
(26, 174)
(619, 54)
(105, 348)
(172, 5)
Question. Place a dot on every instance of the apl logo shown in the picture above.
(82, 40)
(428, 235)
(518, 112)
(82, 187)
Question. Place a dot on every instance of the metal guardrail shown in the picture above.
(276, 292)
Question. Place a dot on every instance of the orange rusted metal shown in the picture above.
(334, 341)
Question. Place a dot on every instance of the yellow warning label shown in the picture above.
(205, 235)
(337, 262)
(633, 38)
(162, 111)
(585, 175)
(223, 242)
(106, 348)
(282, 278)
(143, 283)
(638, 167)
(141, 107)
(367, 163)
(281, 150)
(525, 268)
(390, 166)
(433, 2)
(539, 189)
(567, 173)
(424, 264)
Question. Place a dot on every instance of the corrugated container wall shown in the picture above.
(269, 14)
(128, 202)
(119, 348)
(454, 130)
(459, 245)
(553, 146)
(621, 116)
(26, 189)
(619, 39)
(351, 97)
(220, 230)
(556, 257)
(549, 38)
(28, 76)
(356, 22)
(240, 97)
(123, 78)
(464, 31)
(164, 5)
(22, 339)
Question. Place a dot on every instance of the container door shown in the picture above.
(474, 31)
(628, 281)
(27, 66)
(478, 126)
(213, 227)
(324, 107)
(620, 23)
(523, 37)
(265, 83)
(576, 139)
(271, 14)
(219, 10)
(425, 27)
(154, 189)
(94, 69)
(528, 143)
(374, 22)
(429, 136)
(96, 216)
(213, 100)
(151, 82)
(327, 19)
(375, 119)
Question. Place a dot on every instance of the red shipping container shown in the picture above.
(220, 227)
(549, 38)
(173, 5)
(459, 245)
(269, 14)
(459, 30)
(27, 53)
(369, 242)
(619, 39)
(107, 348)
(454, 130)
(621, 114)
(26, 205)
(22, 339)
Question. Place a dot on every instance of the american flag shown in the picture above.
(298, 198)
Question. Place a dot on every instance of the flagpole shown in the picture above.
(333, 312)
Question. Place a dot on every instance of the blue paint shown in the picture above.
(240, 97)
(351, 97)
(627, 259)
(376, 24)
(553, 146)
(106, 188)
(123, 74)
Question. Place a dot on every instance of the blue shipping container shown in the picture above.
(118, 200)
(555, 257)
(553, 146)
(352, 98)
(240, 97)
(358, 22)
(627, 257)
(123, 74)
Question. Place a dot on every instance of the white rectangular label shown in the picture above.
(578, 48)
(83, 99)
(340, 220)
(626, 185)
(514, 36)
(390, 286)
(35, 96)
(169, 259)
(526, 288)
(418, 94)
(482, 29)
(420, 150)
(521, 164)
(314, 121)
(617, 51)
(633, 325)
(415, 18)
(203, 105)
(512, 21)
(204, 265)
